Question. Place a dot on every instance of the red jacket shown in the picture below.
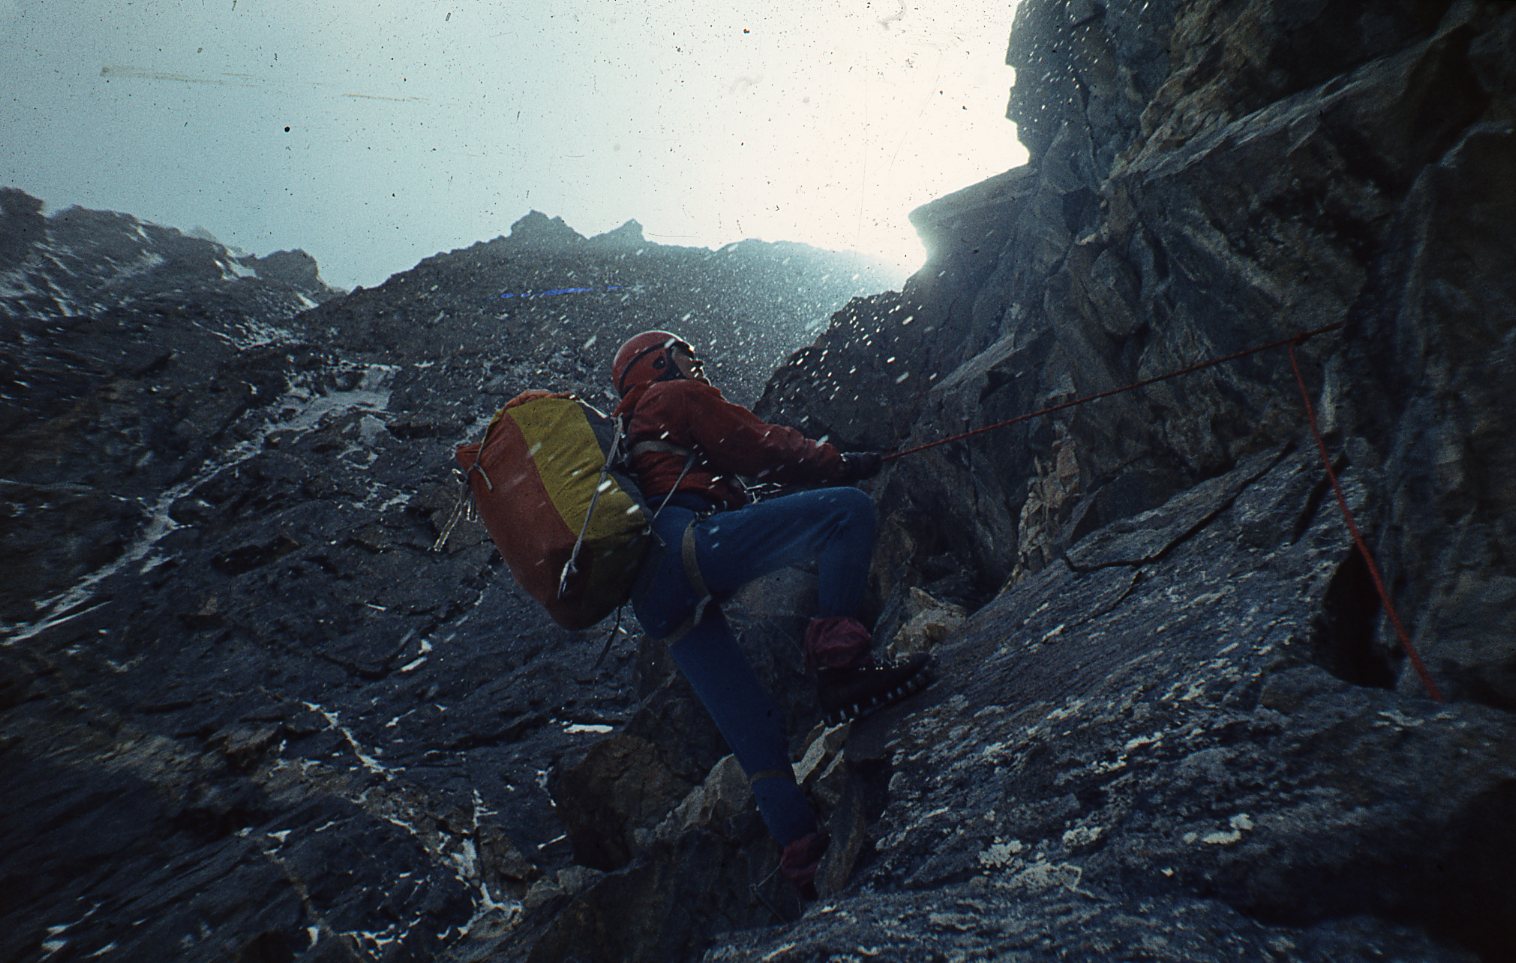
(730, 439)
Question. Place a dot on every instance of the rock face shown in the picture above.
(1136, 754)
(1172, 720)
(530, 294)
(125, 345)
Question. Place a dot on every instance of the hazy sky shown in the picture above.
(376, 133)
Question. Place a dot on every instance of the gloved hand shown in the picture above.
(858, 465)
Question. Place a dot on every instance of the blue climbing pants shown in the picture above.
(833, 527)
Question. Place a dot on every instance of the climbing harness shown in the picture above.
(1288, 343)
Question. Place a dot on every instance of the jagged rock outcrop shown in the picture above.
(536, 230)
(295, 268)
(628, 235)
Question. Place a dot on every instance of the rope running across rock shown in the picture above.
(1288, 343)
(1086, 399)
(1363, 547)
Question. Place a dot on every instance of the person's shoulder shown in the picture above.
(682, 390)
(667, 402)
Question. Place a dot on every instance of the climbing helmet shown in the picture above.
(648, 357)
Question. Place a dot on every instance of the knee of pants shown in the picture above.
(856, 506)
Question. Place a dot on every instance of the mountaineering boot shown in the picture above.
(854, 693)
(849, 683)
(800, 859)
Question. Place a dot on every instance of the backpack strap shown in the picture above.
(571, 567)
(687, 551)
(651, 445)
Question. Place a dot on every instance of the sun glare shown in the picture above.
(838, 147)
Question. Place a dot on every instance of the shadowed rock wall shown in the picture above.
(1206, 177)
(1179, 725)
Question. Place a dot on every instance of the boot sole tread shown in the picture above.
(860, 710)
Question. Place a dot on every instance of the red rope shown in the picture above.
(1051, 409)
(1363, 548)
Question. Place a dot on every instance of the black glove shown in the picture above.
(858, 465)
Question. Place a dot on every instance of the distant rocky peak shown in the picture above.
(627, 235)
(538, 230)
(21, 225)
(296, 268)
(81, 261)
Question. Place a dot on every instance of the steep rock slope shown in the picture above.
(1207, 177)
(101, 310)
(1132, 755)
(246, 712)
(744, 305)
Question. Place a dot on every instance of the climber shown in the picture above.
(688, 444)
